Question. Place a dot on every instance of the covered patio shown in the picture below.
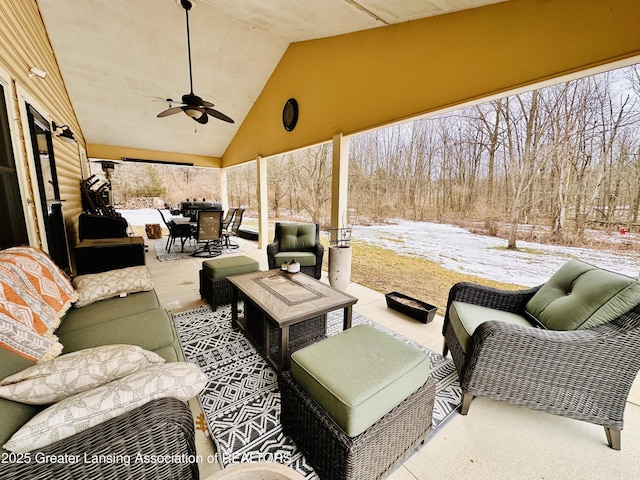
(104, 70)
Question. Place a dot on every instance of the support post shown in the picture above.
(263, 204)
(224, 190)
(339, 181)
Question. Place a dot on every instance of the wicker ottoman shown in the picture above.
(214, 286)
(357, 404)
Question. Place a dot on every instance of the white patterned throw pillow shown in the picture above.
(75, 372)
(85, 410)
(100, 286)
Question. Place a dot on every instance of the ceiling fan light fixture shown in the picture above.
(193, 112)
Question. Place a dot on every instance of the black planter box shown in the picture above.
(423, 312)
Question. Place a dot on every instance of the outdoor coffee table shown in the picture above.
(284, 312)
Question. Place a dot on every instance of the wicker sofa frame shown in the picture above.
(545, 369)
(162, 427)
(371, 455)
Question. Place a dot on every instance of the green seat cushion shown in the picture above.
(359, 375)
(228, 266)
(465, 318)
(171, 354)
(580, 296)
(106, 310)
(11, 362)
(14, 415)
(151, 330)
(296, 236)
(306, 259)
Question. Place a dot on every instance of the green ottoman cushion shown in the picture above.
(228, 266)
(359, 375)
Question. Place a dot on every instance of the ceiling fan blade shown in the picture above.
(218, 115)
(204, 118)
(204, 103)
(169, 111)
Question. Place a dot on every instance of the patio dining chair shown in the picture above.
(177, 231)
(208, 234)
(569, 347)
(228, 218)
(232, 228)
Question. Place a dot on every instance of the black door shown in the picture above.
(47, 177)
(14, 227)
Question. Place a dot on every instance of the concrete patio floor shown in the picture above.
(494, 441)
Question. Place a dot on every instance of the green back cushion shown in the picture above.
(152, 330)
(297, 236)
(107, 310)
(580, 296)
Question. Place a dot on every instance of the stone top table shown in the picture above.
(291, 306)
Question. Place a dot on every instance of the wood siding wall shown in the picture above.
(24, 44)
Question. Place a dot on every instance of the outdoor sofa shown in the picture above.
(128, 445)
(569, 347)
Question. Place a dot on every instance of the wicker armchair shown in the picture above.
(162, 428)
(585, 374)
(299, 241)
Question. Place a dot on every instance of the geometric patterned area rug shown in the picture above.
(241, 401)
(177, 253)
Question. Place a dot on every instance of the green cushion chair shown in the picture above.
(297, 241)
(570, 347)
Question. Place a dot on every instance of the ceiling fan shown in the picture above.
(194, 106)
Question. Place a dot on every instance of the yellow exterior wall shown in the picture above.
(359, 81)
(111, 152)
(24, 43)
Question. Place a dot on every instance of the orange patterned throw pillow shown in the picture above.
(37, 270)
(34, 295)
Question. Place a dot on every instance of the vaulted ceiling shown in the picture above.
(121, 60)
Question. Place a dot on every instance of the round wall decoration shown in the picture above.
(290, 114)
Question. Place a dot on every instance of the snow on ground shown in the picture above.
(139, 218)
(457, 249)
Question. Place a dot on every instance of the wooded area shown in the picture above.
(566, 157)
